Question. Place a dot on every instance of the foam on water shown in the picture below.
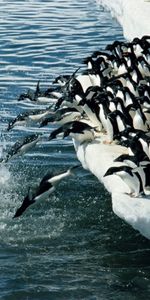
(4, 175)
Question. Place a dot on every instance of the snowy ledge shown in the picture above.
(97, 158)
(133, 15)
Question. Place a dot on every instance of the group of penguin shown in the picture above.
(108, 96)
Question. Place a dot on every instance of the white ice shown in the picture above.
(133, 15)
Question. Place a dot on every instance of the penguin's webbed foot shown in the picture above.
(107, 142)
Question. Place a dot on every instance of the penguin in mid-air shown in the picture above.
(42, 191)
(22, 146)
(61, 116)
(29, 116)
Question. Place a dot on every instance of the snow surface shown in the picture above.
(97, 157)
(133, 15)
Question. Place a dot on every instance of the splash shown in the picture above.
(4, 175)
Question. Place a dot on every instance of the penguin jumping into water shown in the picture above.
(42, 191)
(78, 130)
(29, 116)
(61, 116)
(22, 146)
(40, 96)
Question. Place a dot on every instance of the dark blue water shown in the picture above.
(72, 246)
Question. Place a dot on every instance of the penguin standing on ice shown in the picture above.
(132, 179)
(132, 161)
(42, 191)
(145, 166)
(139, 119)
(116, 123)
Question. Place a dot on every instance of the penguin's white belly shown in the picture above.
(82, 137)
(44, 195)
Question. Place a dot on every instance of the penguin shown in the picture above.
(95, 64)
(146, 55)
(143, 66)
(104, 111)
(122, 67)
(78, 84)
(107, 56)
(91, 108)
(145, 166)
(139, 119)
(144, 90)
(30, 95)
(29, 116)
(43, 190)
(111, 128)
(135, 147)
(39, 96)
(116, 123)
(95, 77)
(127, 80)
(132, 161)
(129, 97)
(62, 80)
(137, 46)
(140, 45)
(132, 179)
(22, 146)
(18, 121)
(67, 100)
(84, 81)
(119, 106)
(78, 130)
(145, 142)
(115, 48)
(62, 116)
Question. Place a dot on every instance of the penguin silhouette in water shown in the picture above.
(44, 189)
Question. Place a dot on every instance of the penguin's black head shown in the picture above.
(136, 41)
(26, 203)
(115, 170)
(66, 133)
(82, 102)
(61, 79)
(109, 47)
(122, 157)
(87, 59)
(96, 53)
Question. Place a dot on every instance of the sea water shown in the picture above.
(71, 246)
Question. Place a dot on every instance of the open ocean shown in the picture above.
(72, 246)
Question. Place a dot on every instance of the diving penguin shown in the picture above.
(42, 191)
